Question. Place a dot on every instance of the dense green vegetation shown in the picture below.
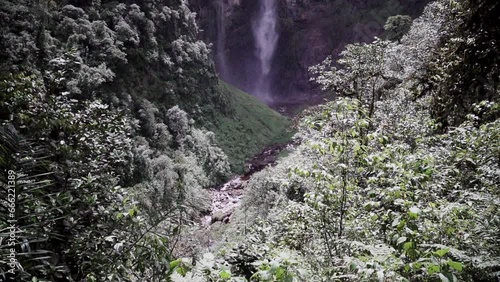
(106, 108)
(383, 187)
(249, 128)
(143, 57)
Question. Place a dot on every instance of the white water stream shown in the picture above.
(220, 45)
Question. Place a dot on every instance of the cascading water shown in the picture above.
(220, 8)
(266, 39)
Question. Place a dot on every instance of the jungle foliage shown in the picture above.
(397, 179)
(109, 166)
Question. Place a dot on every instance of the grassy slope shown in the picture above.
(249, 128)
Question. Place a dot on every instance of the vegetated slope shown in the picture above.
(102, 110)
(123, 53)
(381, 188)
(248, 127)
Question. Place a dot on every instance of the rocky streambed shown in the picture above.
(227, 197)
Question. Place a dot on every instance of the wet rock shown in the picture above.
(235, 183)
(227, 197)
(265, 158)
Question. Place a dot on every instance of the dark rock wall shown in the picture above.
(310, 30)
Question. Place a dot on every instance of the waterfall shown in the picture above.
(266, 38)
(220, 9)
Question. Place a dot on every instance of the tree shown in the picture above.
(360, 75)
(66, 191)
(464, 71)
(397, 26)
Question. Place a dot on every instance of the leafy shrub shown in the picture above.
(386, 198)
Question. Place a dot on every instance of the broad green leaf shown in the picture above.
(407, 268)
(280, 273)
(441, 253)
(182, 270)
(132, 212)
(174, 264)
(225, 275)
(407, 246)
(455, 265)
(433, 268)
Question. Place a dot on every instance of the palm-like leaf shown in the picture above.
(38, 216)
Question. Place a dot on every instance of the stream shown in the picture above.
(226, 197)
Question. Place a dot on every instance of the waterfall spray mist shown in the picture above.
(220, 9)
(266, 39)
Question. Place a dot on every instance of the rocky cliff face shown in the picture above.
(309, 31)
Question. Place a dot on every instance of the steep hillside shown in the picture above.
(119, 143)
(104, 149)
(397, 179)
(131, 55)
(120, 49)
(248, 128)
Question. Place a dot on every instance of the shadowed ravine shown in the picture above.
(266, 38)
(227, 197)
